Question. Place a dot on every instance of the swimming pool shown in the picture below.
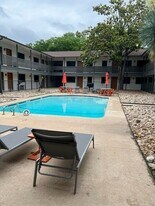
(70, 105)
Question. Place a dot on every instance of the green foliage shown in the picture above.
(147, 32)
(118, 35)
(150, 3)
(40, 45)
(67, 42)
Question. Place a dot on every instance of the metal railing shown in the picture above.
(15, 62)
(16, 108)
(96, 70)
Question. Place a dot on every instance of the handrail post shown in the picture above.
(13, 111)
(3, 110)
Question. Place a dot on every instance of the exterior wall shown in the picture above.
(27, 66)
(70, 59)
(73, 85)
(31, 68)
(99, 62)
(132, 85)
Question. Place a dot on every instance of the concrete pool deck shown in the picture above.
(112, 174)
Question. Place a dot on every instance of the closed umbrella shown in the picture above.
(106, 79)
(64, 79)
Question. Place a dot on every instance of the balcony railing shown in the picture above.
(15, 62)
(96, 70)
(149, 69)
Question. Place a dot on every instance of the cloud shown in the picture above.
(3, 14)
(28, 21)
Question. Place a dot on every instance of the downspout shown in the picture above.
(0, 72)
(17, 67)
(31, 67)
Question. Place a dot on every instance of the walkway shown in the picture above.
(112, 174)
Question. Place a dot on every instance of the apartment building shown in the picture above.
(22, 68)
(139, 72)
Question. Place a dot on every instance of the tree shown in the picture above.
(150, 3)
(147, 32)
(118, 35)
(40, 45)
(67, 42)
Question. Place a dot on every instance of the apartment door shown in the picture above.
(9, 57)
(2, 78)
(1, 56)
(10, 81)
(80, 82)
(1, 81)
(114, 82)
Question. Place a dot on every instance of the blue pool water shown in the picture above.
(80, 106)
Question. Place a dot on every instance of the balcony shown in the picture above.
(17, 63)
(76, 71)
(149, 69)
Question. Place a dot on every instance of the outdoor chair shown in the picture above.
(6, 128)
(14, 140)
(64, 146)
(69, 90)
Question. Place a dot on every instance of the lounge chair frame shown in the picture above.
(6, 128)
(14, 140)
(77, 157)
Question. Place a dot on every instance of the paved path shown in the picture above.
(112, 174)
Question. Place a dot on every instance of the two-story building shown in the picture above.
(139, 72)
(24, 68)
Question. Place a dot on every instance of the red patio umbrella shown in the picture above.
(106, 79)
(64, 79)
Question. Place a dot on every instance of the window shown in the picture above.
(104, 63)
(35, 59)
(102, 80)
(21, 77)
(71, 79)
(70, 63)
(21, 55)
(138, 80)
(57, 63)
(141, 63)
(126, 80)
(89, 80)
(36, 78)
(150, 79)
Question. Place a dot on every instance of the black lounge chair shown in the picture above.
(64, 146)
(14, 140)
(6, 128)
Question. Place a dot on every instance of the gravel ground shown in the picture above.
(139, 108)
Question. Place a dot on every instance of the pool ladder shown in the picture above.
(12, 110)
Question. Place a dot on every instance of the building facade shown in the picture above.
(24, 68)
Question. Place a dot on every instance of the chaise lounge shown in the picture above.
(6, 128)
(14, 140)
(64, 146)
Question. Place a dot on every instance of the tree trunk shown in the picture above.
(122, 71)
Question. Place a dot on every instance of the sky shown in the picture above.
(27, 21)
